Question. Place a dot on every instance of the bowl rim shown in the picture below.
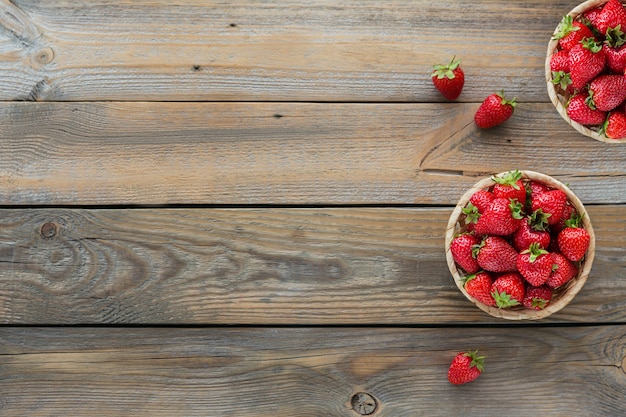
(558, 99)
(566, 294)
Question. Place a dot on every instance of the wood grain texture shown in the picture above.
(286, 153)
(309, 372)
(319, 50)
(259, 266)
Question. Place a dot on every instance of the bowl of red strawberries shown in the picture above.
(586, 69)
(519, 245)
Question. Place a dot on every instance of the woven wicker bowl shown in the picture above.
(557, 95)
(562, 295)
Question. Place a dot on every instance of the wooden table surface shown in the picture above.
(238, 209)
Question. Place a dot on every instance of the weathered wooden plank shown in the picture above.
(273, 50)
(259, 266)
(285, 153)
(309, 372)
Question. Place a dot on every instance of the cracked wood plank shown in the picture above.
(270, 51)
(259, 266)
(310, 371)
(286, 153)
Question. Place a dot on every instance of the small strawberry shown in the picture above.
(574, 240)
(461, 249)
(568, 212)
(479, 286)
(563, 270)
(613, 14)
(587, 60)
(606, 92)
(508, 290)
(570, 32)
(482, 199)
(465, 367)
(495, 254)
(537, 298)
(560, 61)
(532, 230)
(535, 265)
(552, 203)
(510, 186)
(502, 218)
(494, 110)
(615, 50)
(449, 79)
(579, 111)
(615, 125)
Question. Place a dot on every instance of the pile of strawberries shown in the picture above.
(522, 240)
(589, 66)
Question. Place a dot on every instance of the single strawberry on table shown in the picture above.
(479, 286)
(466, 367)
(494, 110)
(508, 289)
(537, 298)
(574, 240)
(449, 79)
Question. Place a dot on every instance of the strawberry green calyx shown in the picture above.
(504, 300)
(566, 26)
(506, 102)
(471, 213)
(535, 251)
(509, 178)
(538, 220)
(561, 78)
(477, 361)
(574, 221)
(615, 37)
(539, 303)
(517, 209)
(592, 45)
(446, 71)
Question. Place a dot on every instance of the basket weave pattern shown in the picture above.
(562, 295)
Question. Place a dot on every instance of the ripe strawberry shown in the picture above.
(563, 270)
(495, 254)
(606, 92)
(573, 241)
(537, 187)
(466, 367)
(615, 50)
(579, 111)
(587, 60)
(502, 218)
(532, 230)
(560, 61)
(592, 15)
(551, 203)
(479, 286)
(510, 186)
(535, 265)
(461, 249)
(537, 298)
(615, 125)
(613, 14)
(568, 212)
(508, 290)
(482, 199)
(449, 79)
(494, 110)
(570, 32)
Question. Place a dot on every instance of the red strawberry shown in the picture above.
(615, 125)
(560, 61)
(615, 50)
(494, 110)
(502, 218)
(461, 249)
(482, 199)
(510, 186)
(552, 203)
(570, 32)
(535, 265)
(532, 230)
(606, 92)
(449, 79)
(613, 14)
(563, 270)
(465, 367)
(579, 111)
(537, 187)
(537, 298)
(495, 254)
(568, 212)
(573, 241)
(479, 286)
(592, 15)
(587, 60)
(508, 290)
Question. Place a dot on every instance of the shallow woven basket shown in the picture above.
(562, 295)
(558, 96)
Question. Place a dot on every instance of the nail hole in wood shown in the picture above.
(233, 25)
(196, 68)
(277, 115)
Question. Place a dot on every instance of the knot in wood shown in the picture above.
(48, 230)
(364, 404)
(43, 57)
